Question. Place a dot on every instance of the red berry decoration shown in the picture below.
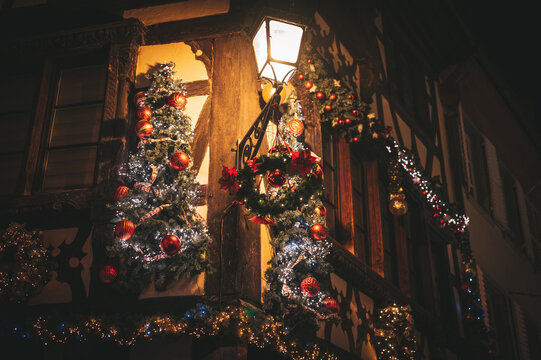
(179, 161)
(139, 98)
(170, 245)
(347, 121)
(108, 274)
(309, 61)
(120, 192)
(318, 232)
(355, 112)
(308, 84)
(276, 178)
(351, 97)
(144, 113)
(310, 286)
(320, 95)
(295, 127)
(355, 139)
(144, 128)
(332, 305)
(177, 100)
(328, 107)
(300, 76)
(340, 122)
(124, 229)
(332, 97)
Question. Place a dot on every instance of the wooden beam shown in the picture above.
(373, 205)
(402, 262)
(197, 88)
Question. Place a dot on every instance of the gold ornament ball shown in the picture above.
(267, 90)
(295, 127)
(397, 204)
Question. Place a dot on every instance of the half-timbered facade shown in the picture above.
(69, 73)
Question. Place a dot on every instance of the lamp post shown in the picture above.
(276, 45)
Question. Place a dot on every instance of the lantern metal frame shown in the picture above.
(248, 147)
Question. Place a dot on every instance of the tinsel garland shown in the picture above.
(246, 323)
(25, 264)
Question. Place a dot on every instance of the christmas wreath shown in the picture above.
(296, 168)
(24, 264)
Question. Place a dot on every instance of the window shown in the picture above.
(330, 172)
(500, 320)
(359, 213)
(417, 257)
(511, 207)
(477, 164)
(387, 225)
(69, 157)
(17, 103)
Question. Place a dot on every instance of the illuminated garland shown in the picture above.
(24, 264)
(345, 115)
(394, 334)
(253, 327)
(159, 235)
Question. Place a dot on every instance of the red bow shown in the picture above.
(301, 162)
(254, 164)
(262, 220)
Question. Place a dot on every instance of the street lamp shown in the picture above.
(276, 47)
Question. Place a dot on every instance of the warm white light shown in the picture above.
(276, 45)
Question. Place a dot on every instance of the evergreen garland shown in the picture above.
(161, 200)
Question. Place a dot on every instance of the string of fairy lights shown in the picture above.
(249, 326)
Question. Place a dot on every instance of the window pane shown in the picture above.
(70, 167)
(17, 126)
(76, 125)
(81, 85)
(20, 94)
(9, 179)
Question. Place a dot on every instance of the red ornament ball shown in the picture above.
(328, 107)
(177, 100)
(341, 122)
(318, 232)
(144, 128)
(170, 245)
(179, 161)
(124, 229)
(295, 127)
(347, 121)
(310, 286)
(332, 305)
(332, 97)
(144, 113)
(320, 95)
(309, 61)
(120, 192)
(351, 97)
(308, 84)
(139, 98)
(355, 112)
(300, 77)
(276, 178)
(356, 139)
(108, 274)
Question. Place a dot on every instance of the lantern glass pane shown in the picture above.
(260, 46)
(283, 72)
(285, 41)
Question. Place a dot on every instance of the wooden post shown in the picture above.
(235, 254)
(373, 205)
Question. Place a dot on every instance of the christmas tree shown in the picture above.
(394, 336)
(159, 236)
